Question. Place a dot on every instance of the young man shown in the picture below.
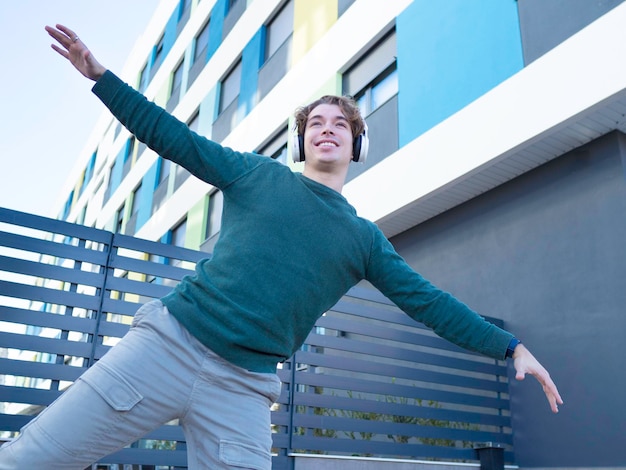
(209, 349)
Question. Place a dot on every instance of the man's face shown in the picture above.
(327, 136)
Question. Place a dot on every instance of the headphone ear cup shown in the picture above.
(356, 148)
(297, 149)
(361, 145)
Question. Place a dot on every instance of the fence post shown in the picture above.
(102, 293)
(491, 456)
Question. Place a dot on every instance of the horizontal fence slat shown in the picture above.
(412, 335)
(381, 388)
(148, 267)
(45, 345)
(44, 370)
(424, 430)
(23, 219)
(48, 295)
(427, 409)
(166, 432)
(137, 287)
(147, 457)
(160, 249)
(30, 396)
(121, 307)
(51, 272)
(371, 447)
(47, 320)
(383, 311)
(52, 248)
(404, 354)
(113, 329)
(389, 370)
(12, 423)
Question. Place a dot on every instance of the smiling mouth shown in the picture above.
(327, 144)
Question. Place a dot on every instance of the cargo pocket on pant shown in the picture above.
(113, 388)
(240, 455)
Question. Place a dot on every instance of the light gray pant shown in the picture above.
(158, 372)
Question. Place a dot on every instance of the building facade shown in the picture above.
(496, 165)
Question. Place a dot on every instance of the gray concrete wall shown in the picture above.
(546, 252)
(546, 23)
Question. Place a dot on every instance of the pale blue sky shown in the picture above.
(48, 110)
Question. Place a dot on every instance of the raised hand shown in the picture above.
(525, 363)
(73, 49)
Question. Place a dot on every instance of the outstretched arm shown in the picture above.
(74, 50)
(525, 363)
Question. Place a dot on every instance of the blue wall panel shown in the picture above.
(148, 185)
(170, 34)
(251, 61)
(218, 13)
(118, 168)
(449, 54)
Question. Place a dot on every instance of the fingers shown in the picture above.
(525, 363)
(554, 398)
(550, 390)
(63, 35)
(63, 52)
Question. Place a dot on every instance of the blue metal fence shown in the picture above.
(369, 381)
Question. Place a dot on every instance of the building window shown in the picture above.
(279, 29)
(158, 55)
(119, 219)
(143, 78)
(131, 224)
(165, 166)
(175, 87)
(160, 193)
(343, 6)
(235, 9)
(177, 79)
(376, 69)
(185, 9)
(181, 174)
(231, 4)
(135, 202)
(230, 86)
(377, 93)
(178, 235)
(89, 171)
(126, 154)
(214, 221)
(109, 189)
(373, 81)
(158, 51)
(194, 122)
(276, 148)
(201, 43)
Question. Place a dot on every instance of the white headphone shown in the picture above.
(360, 145)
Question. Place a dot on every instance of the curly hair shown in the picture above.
(348, 107)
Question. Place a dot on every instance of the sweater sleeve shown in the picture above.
(437, 309)
(171, 138)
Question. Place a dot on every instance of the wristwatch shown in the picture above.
(511, 348)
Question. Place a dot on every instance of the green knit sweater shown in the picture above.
(289, 248)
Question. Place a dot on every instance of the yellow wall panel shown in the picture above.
(312, 18)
